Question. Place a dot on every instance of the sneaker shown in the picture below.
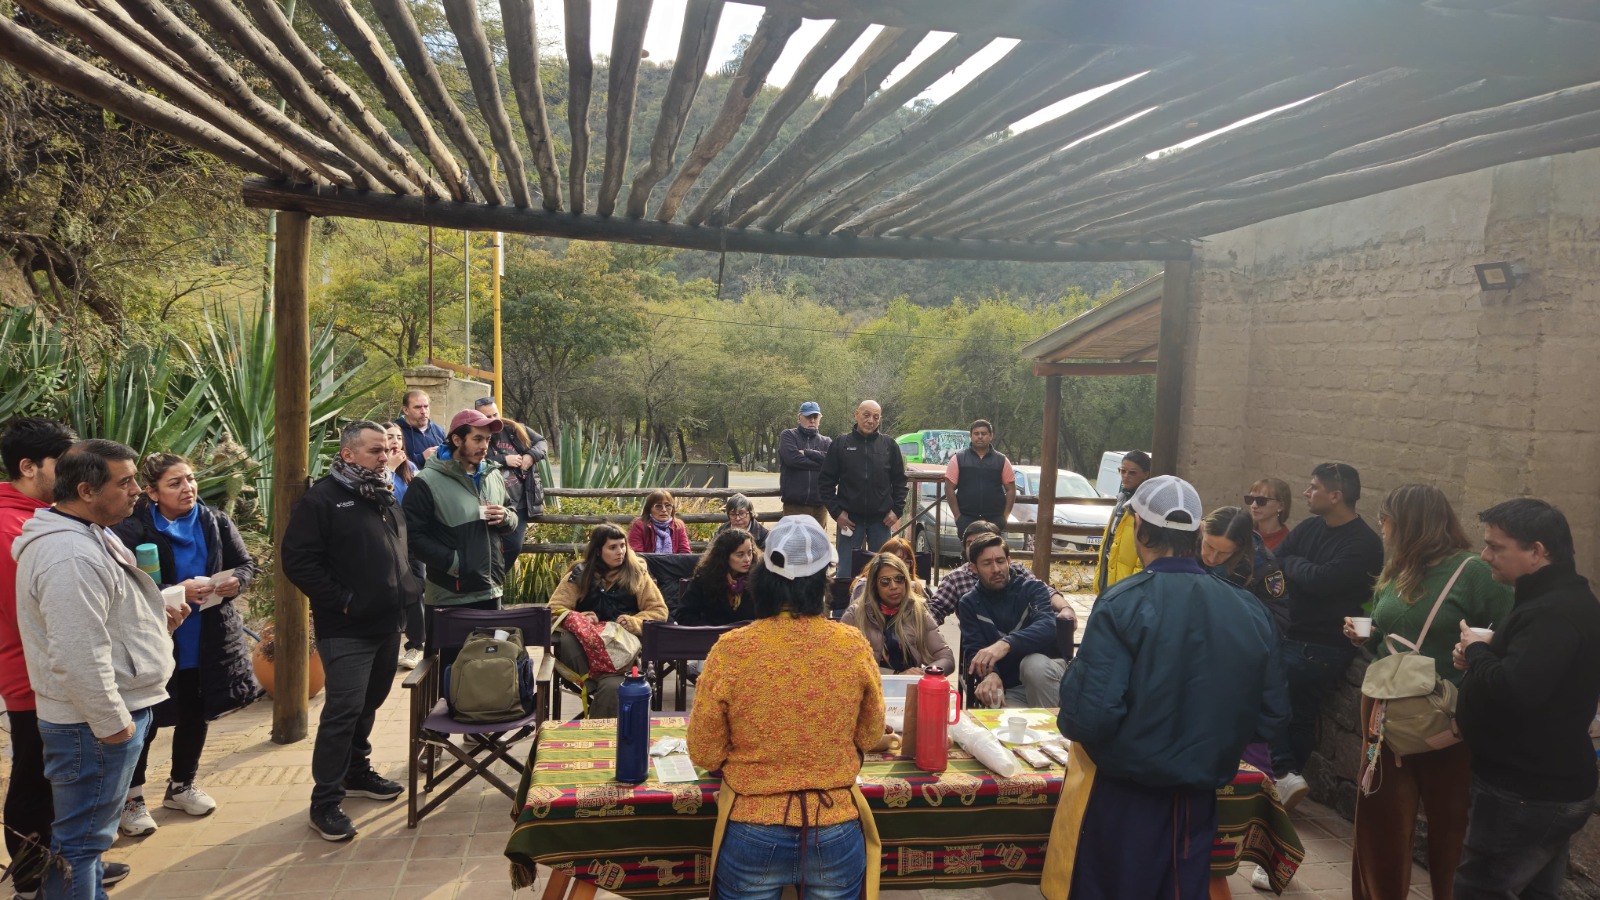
(331, 823)
(368, 783)
(1260, 881)
(136, 819)
(189, 798)
(1292, 788)
(113, 872)
(412, 658)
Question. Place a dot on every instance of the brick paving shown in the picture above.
(257, 843)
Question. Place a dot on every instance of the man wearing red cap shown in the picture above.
(456, 518)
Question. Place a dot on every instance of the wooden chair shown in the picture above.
(432, 729)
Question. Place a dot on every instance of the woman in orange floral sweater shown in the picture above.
(789, 749)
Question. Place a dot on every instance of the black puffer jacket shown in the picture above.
(863, 475)
(227, 681)
(349, 556)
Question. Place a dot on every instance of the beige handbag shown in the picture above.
(1413, 710)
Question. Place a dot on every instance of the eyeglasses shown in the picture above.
(665, 506)
(1253, 500)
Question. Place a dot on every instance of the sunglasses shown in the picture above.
(1253, 500)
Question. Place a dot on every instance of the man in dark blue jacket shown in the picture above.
(1008, 632)
(1170, 682)
(801, 450)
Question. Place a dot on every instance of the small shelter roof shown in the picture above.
(1125, 328)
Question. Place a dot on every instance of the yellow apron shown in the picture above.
(869, 831)
(1061, 853)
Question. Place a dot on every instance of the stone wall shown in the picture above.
(449, 394)
(1358, 333)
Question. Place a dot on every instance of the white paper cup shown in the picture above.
(1017, 729)
(203, 580)
(174, 597)
(1362, 626)
(483, 511)
(1485, 633)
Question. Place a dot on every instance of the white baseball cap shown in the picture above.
(797, 547)
(1158, 500)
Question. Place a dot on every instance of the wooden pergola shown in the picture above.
(1353, 97)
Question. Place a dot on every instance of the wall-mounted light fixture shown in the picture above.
(1497, 276)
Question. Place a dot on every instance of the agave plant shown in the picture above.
(147, 398)
(241, 354)
(32, 361)
(605, 463)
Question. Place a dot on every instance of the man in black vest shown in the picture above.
(983, 485)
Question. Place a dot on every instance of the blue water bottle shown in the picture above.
(633, 729)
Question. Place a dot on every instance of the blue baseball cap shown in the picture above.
(810, 408)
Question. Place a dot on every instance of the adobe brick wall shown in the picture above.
(1358, 333)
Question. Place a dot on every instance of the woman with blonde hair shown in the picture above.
(1427, 564)
(1269, 502)
(902, 548)
(896, 621)
(658, 528)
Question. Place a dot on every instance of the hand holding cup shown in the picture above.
(1357, 629)
(196, 589)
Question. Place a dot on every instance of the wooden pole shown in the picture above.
(291, 455)
(1169, 368)
(1043, 524)
(1116, 368)
(499, 370)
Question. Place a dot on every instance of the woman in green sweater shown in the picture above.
(1425, 547)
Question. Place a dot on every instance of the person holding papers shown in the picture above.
(200, 549)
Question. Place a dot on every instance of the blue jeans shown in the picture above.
(88, 781)
(756, 862)
(359, 673)
(869, 536)
(1516, 847)
(1313, 671)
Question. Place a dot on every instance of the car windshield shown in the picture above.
(1068, 484)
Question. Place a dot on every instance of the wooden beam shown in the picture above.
(291, 460)
(465, 371)
(627, 47)
(125, 23)
(1096, 369)
(1049, 463)
(479, 217)
(277, 28)
(1373, 35)
(1351, 113)
(1387, 160)
(580, 82)
(969, 179)
(522, 61)
(819, 139)
(129, 56)
(765, 47)
(951, 54)
(47, 62)
(1143, 353)
(480, 64)
(373, 58)
(1039, 186)
(363, 163)
(407, 39)
(839, 38)
(994, 88)
(688, 67)
(1133, 319)
(1169, 368)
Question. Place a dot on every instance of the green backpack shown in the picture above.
(492, 679)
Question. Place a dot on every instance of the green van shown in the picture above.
(933, 446)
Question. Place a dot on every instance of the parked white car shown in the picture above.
(1069, 485)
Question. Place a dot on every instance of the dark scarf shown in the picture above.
(736, 589)
(367, 483)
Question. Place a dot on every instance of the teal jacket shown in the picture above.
(1176, 672)
(445, 533)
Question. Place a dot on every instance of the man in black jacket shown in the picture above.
(1331, 561)
(863, 483)
(801, 450)
(345, 547)
(1525, 706)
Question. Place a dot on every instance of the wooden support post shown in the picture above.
(291, 451)
(1169, 368)
(1043, 532)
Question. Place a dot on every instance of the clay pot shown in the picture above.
(265, 669)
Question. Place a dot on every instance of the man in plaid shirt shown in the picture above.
(960, 581)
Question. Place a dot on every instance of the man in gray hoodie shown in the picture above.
(96, 636)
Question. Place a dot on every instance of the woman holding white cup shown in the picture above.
(1425, 547)
(202, 553)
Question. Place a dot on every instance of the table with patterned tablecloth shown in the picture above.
(962, 828)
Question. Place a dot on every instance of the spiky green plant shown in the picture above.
(32, 361)
(148, 398)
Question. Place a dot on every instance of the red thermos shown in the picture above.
(936, 712)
